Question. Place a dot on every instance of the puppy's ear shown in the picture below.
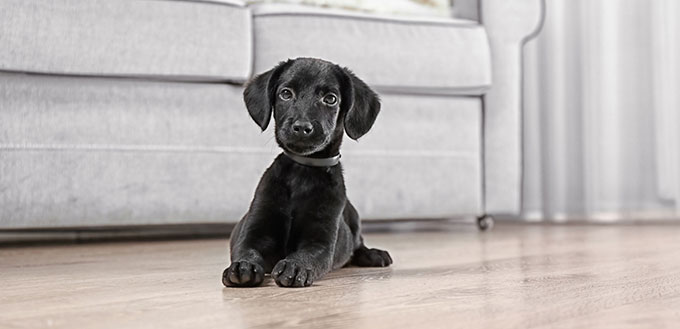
(260, 94)
(360, 104)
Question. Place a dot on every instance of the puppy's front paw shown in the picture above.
(243, 274)
(291, 273)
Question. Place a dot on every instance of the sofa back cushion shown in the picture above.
(178, 39)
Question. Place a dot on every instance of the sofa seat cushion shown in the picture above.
(78, 151)
(437, 55)
(421, 159)
(84, 151)
(178, 39)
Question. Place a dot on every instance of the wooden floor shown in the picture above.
(513, 277)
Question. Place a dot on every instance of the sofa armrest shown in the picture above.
(509, 24)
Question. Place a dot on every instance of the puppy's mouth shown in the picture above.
(302, 146)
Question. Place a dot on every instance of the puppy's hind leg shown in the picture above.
(362, 255)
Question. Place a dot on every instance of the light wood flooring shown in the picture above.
(513, 277)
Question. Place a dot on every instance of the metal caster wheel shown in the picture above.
(485, 223)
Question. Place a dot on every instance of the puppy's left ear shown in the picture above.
(260, 94)
(360, 104)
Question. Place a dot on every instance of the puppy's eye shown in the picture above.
(286, 94)
(330, 99)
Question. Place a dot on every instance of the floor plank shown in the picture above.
(513, 277)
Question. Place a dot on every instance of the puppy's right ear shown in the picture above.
(260, 94)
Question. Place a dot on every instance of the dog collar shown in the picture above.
(313, 162)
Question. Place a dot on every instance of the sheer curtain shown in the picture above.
(602, 112)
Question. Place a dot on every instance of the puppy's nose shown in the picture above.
(302, 128)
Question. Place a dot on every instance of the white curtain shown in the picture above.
(602, 112)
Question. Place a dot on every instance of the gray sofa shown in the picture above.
(129, 112)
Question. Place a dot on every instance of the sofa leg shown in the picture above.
(485, 222)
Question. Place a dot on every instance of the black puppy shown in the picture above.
(300, 224)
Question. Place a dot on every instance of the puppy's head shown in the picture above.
(313, 102)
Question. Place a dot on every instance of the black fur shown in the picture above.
(300, 224)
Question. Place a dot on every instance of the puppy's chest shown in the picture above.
(309, 184)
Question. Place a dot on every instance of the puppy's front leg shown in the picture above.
(248, 264)
(258, 240)
(315, 238)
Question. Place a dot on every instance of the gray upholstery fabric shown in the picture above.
(98, 152)
(181, 39)
(420, 160)
(62, 110)
(92, 152)
(449, 56)
(509, 24)
(467, 9)
(48, 188)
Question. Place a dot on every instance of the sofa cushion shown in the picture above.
(84, 151)
(421, 159)
(392, 54)
(78, 151)
(195, 40)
